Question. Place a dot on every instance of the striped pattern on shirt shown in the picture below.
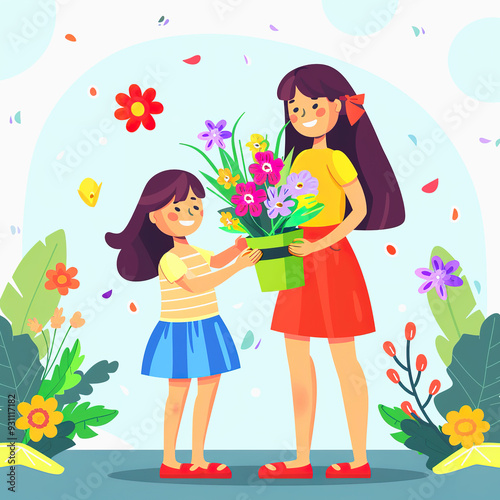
(177, 304)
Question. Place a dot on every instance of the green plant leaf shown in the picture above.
(232, 164)
(85, 417)
(234, 231)
(32, 299)
(475, 373)
(233, 134)
(224, 193)
(209, 161)
(285, 171)
(96, 374)
(453, 315)
(63, 376)
(278, 141)
(303, 214)
(50, 447)
(393, 416)
(400, 437)
(20, 371)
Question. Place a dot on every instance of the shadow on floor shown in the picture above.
(247, 475)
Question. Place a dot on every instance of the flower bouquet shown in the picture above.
(265, 200)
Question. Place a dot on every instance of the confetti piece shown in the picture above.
(17, 117)
(255, 392)
(401, 308)
(423, 31)
(484, 141)
(431, 187)
(237, 306)
(18, 229)
(162, 18)
(10, 119)
(192, 60)
(60, 155)
(103, 141)
(247, 340)
(273, 27)
(132, 307)
(89, 191)
(416, 31)
(455, 214)
(413, 139)
(93, 92)
(258, 344)
(247, 60)
(478, 286)
(125, 390)
(497, 143)
(107, 295)
(13, 229)
(391, 249)
(70, 37)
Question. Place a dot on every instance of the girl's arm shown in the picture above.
(200, 284)
(356, 197)
(228, 255)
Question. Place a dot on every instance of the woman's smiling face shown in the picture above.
(313, 117)
(179, 218)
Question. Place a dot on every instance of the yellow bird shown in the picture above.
(89, 191)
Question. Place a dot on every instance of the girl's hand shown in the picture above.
(248, 258)
(240, 243)
(300, 247)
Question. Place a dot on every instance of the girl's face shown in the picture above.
(313, 117)
(180, 218)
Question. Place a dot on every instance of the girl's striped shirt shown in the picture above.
(177, 304)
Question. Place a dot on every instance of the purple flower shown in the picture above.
(277, 204)
(215, 134)
(439, 277)
(301, 183)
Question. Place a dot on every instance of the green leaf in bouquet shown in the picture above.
(210, 162)
(63, 376)
(233, 135)
(229, 230)
(20, 371)
(278, 140)
(243, 168)
(225, 194)
(285, 171)
(454, 315)
(31, 299)
(475, 373)
(232, 165)
(302, 215)
(85, 416)
(246, 220)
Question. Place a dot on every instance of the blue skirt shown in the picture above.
(190, 349)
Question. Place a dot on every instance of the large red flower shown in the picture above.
(137, 108)
(62, 279)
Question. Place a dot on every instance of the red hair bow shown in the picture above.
(353, 108)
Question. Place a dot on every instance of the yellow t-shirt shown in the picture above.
(333, 169)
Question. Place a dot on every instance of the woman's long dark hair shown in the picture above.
(385, 207)
(141, 243)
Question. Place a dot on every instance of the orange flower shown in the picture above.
(77, 321)
(40, 417)
(62, 279)
(57, 319)
(226, 178)
(34, 325)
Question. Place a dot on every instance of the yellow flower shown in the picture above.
(40, 417)
(77, 321)
(228, 221)
(466, 427)
(34, 326)
(57, 319)
(257, 144)
(226, 178)
(306, 200)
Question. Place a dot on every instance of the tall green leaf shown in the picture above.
(20, 372)
(303, 215)
(85, 417)
(233, 165)
(225, 193)
(475, 372)
(32, 299)
(453, 315)
(285, 171)
(233, 134)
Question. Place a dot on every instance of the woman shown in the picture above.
(331, 137)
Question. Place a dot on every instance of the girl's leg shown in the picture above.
(177, 393)
(355, 395)
(207, 389)
(303, 379)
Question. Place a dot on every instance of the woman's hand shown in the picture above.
(248, 258)
(241, 243)
(301, 247)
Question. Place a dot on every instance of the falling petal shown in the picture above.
(413, 139)
(13, 229)
(132, 307)
(402, 308)
(478, 286)
(391, 249)
(93, 92)
(247, 340)
(10, 119)
(258, 344)
(497, 142)
(273, 27)
(18, 229)
(70, 37)
(166, 21)
(248, 61)
(455, 214)
(431, 187)
(17, 117)
(107, 295)
(192, 60)
(423, 31)
(484, 141)
(416, 30)
(237, 306)
(125, 390)
(162, 18)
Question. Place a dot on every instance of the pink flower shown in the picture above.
(248, 198)
(267, 168)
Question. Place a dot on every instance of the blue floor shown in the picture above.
(110, 475)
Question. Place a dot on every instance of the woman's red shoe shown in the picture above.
(362, 472)
(167, 472)
(211, 472)
(305, 472)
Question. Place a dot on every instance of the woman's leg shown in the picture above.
(177, 393)
(355, 395)
(207, 389)
(303, 379)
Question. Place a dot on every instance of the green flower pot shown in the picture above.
(278, 269)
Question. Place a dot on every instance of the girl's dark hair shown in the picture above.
(385, 207)
(141, 243)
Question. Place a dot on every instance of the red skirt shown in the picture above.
(334, 301)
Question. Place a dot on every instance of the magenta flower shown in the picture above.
(215, 134)
(277, 204)
(439, 277)
(267, 169)
(248, 198)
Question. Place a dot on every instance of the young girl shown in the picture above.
(190, 339)
(332, 138)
